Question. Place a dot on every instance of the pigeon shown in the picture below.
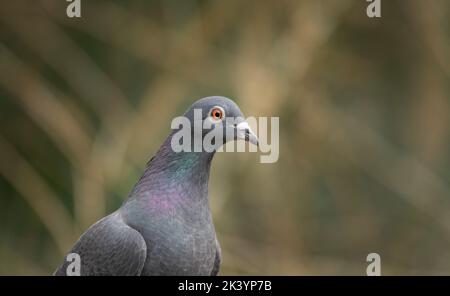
(165, 226)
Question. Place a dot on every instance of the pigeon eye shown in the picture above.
(217, 113)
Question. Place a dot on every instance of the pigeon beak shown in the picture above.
(244, 132)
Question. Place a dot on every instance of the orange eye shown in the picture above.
(217, 113)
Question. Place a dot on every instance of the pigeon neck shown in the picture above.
(187, 171)
(181, 164)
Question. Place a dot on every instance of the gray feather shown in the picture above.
(165, 226)
(109, 247)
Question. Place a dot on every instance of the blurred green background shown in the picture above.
(364, 107)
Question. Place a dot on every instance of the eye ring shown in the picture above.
(217, 113)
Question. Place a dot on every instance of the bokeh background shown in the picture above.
(364, 108)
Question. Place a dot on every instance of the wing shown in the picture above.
(109, 247)
(217, 260)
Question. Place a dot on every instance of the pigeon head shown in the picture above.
(207, 125)
(220, 119)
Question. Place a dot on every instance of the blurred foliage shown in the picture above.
(364, 114)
